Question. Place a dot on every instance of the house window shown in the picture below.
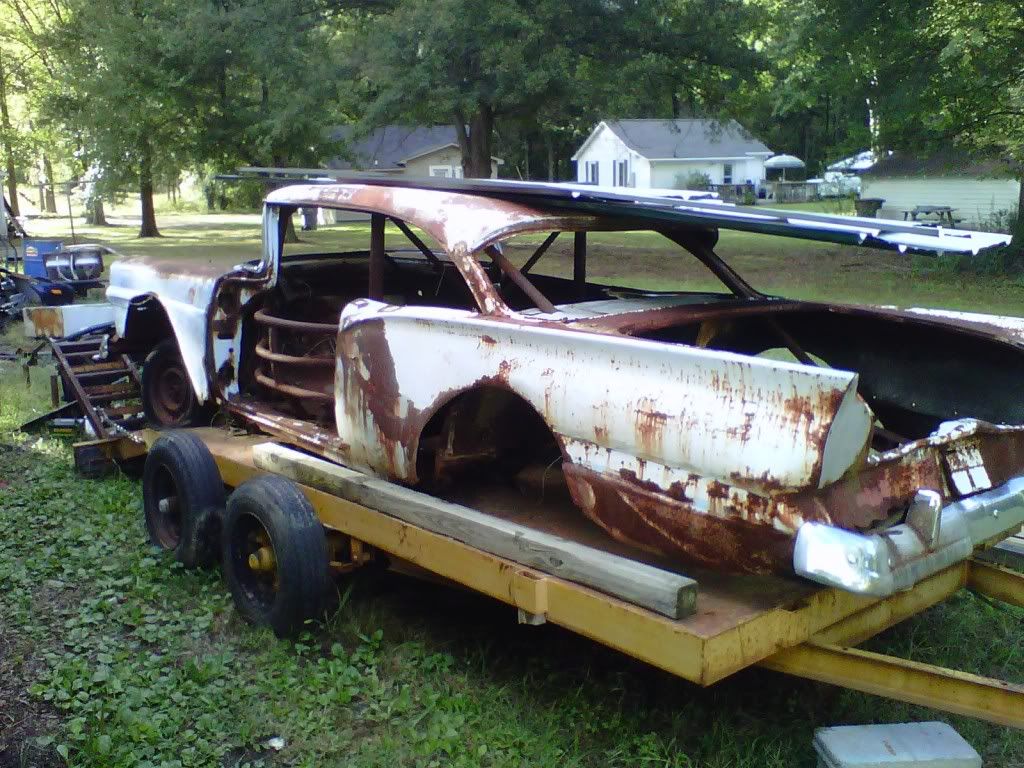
(620, 173)
(592, 171)
(444, 171)
(727, 173)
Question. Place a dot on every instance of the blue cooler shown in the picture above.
(35, 255)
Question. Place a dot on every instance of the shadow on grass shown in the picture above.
(746, 719)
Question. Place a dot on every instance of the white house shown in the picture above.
(980, 191)
(403, 150)
(669, 153)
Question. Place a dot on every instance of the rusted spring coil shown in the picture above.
(291, 389)
(305, 326)
(304, 362)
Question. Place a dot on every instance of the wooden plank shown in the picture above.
(1008, 553)
(669, 594)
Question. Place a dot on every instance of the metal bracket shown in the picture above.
(925, 516)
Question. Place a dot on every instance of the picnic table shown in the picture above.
(943, 213)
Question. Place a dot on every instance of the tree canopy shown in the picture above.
(130, 91)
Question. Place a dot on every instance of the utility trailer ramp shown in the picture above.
(783, 624)
(104, 393)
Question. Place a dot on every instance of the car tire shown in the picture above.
(275, 556)
(168, 399)
(183, 499)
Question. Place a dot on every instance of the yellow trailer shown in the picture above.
(735, 621)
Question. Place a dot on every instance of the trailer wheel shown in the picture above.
(183, 498)
(275, 556)
(167, 395)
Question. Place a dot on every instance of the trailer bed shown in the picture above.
(738, 621)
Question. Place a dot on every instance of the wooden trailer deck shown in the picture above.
(783, 624)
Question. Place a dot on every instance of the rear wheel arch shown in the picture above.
(147, 322)
(483, 425)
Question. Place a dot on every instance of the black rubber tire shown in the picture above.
(168, 399)
(181, 470)
(272, 509)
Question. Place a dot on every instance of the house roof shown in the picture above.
(391, 146)
(689, 138)
(951, 163)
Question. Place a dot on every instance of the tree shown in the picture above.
(475, 63)
(933, 74)
(7, 139)
(977, 95)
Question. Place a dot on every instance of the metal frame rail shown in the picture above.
(814, 638)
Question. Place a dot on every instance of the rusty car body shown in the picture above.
(888, 447)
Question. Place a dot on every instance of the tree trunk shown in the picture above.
(290, 235)
(475, 143)
(51, 199)
(549, 145)
(1014, 258)
(95, 214)
(148, 228)
(5, 134)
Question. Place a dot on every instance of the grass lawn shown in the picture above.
(112, 655)
(783, 266)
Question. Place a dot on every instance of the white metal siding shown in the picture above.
(448, 156)
(606, 149)
(975, 200)
(673, 173)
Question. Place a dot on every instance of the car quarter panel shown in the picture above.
(613, 402)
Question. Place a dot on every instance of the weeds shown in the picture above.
(112, 655)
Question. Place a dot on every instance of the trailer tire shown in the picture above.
(168, 399)
(183, 498)
(288, 583)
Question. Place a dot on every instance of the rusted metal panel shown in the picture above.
(57, 322)
(758, 423)
(457, 221)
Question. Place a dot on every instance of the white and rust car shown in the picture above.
(888, 449)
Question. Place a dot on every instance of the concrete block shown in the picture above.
(896, 745)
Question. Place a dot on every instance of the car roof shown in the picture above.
(472, 213)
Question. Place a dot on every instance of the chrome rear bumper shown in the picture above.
(932, 538)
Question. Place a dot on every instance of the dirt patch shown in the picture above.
(23, 719)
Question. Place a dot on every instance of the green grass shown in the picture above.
(112, 655)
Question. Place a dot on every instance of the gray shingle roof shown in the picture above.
(388, 147)
(656, 139)
(943, 164)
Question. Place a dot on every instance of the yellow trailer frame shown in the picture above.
(812, 636)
